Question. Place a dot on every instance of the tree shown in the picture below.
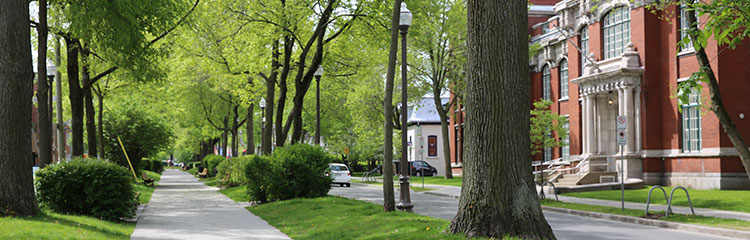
(389, 201)
(728, 22)
(43, 90)
(142, 133)
(543, 124)
(498, 193)
(16, 78)
(441, 40)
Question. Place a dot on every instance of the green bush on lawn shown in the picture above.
(87, 186)
(231, 172)
(146, 164)
(296, 171)
(211, 162)
(157, 166)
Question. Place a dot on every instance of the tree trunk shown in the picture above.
(235, 128)
(444, 129)
(225, 138)
(100, 129)
(88, 100)
(58, 86)
(16, 89)
(250, 130)
(76, 97)
(43, 91)
(717, 104)
(267, 130)
(498, 193)
(288, 50)
(389, 202)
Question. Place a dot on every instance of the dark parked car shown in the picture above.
(418, 168)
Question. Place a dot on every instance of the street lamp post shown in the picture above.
(318, 74)
(404, 203)
(263, 120)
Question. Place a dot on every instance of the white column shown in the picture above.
(592, 124)
(630, 147)
(584, 124)
(637, 119)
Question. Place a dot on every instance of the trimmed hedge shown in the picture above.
(91, 187)
(296, 171)
(146, 164)
(211, 162)
(235, 169)
(157, 166)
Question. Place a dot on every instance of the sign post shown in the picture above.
(622, 140)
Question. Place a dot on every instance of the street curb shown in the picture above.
(442, 194)
(654, 223)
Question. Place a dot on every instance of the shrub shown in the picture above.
(157, 166)
(211, 162)
(298, 172)
(146, 164)
(91, 187)
(258, 173)
(231, 172)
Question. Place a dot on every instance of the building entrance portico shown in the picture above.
(608, 89)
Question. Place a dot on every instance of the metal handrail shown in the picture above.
(368, 177)
(648, 201)
(671, 194)
(554, 189)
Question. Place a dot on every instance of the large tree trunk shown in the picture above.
(250, 129)
(16, 89)
(444, 129)
(75, 95)
(58, 86)
(42, 94)
(717, 104)
(498, 193)
(389, 202)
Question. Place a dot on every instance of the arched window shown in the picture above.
(584, 45)
(546, 83)
(616, 31)
(563, 79)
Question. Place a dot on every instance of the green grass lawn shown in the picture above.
(698, 220)
(413, 187)
(341, 218)
(210, 181)
(238, 193)
(731, 200)
(193, 171)
(49, 225)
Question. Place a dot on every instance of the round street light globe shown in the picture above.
(262, 102)
(405, 19)
(319, 72)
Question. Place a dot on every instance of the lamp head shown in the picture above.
(319, 72)
(262, 103)
(405, 18)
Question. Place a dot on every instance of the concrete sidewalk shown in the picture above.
(181, 207)
(455, 192)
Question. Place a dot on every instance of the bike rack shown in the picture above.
(648, 201)
(541, 192)
(671, 194)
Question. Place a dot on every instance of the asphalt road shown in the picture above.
(565, 226)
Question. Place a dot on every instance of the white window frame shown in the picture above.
(691, 124)
(564, 82)
(583, 43)
(546, 83)
(616, 31)
(688, 47)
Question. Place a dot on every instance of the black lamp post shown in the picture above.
(263, 120)
(318, 73)
(404, 203)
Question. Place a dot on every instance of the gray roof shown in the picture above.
(424, 111)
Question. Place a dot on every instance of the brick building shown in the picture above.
(602, 59)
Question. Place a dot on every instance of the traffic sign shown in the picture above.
(622, 137)
(622, 122)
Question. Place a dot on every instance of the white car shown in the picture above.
(340, 174)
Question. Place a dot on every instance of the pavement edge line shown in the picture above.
(654, 223)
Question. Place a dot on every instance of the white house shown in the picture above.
(424, 134)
